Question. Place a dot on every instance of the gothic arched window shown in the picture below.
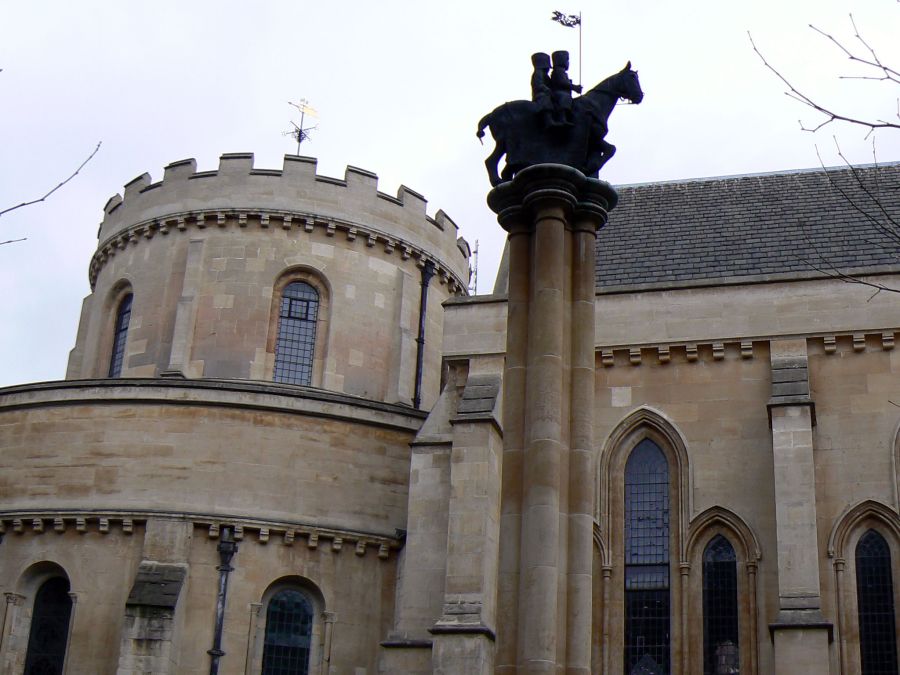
(296, 334)
(647, 601)
(721, 654)
(49, 628)
(875, 600)
(120, 333)
(289, 624)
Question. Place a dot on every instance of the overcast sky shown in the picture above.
(399, 87)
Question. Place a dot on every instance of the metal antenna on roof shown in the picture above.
(299, 132)
(473, 271)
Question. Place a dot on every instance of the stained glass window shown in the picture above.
(289, 620)
(49, 628)
(721, 654)
(296, 334)
(875, 599)
(647, 623)
(120, 333)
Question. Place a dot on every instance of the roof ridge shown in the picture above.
(761, 174)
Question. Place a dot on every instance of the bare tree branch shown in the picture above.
(12, 241)
(890, 228)
(35, 201)
(887, 74)
(874, 61)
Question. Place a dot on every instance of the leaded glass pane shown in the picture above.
(647, 622)
(875, 599)
(721, 655)
(289, 622)
(120, 333)
(49, 629)
(296, 334)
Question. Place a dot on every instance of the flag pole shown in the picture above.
(580, 59)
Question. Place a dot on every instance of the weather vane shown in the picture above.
(299, 132)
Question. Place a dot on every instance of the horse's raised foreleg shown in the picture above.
(601, 155)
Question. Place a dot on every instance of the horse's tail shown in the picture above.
(485, 122)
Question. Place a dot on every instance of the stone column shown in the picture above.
(552, 213)
(800, 633)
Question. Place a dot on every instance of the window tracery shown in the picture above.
(721, 635)
(296, 340)
(288, 637)
(875, 605)
(120, 336)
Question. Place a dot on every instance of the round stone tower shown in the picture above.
(206, 257)
(255, 358)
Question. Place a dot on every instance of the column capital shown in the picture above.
(585, 201)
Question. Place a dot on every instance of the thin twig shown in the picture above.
(35, 201)
(830, 114)
(12, 241)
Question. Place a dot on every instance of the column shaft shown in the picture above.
(513, 449)
(539, 622)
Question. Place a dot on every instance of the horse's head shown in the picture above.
(627, 85)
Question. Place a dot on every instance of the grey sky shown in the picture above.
(399, 87)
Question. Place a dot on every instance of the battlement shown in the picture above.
(296, 188)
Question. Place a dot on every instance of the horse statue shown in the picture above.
(522, 134)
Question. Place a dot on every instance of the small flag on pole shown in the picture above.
(567, 20)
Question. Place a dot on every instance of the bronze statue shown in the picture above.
(562, 87)
(567, 131)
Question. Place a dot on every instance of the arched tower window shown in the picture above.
(721, 653)
(647, 601)
(875, 599)
(289, 624)
(120, 333)
(296, 334)
(49, 628)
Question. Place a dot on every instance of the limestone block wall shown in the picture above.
(695, 366)
(113, 444)
(206, 255)
(99, 566)
(352, 591)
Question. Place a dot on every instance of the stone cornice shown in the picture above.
(270, 219)
(242, 394)
(719, 350)
(258, 530)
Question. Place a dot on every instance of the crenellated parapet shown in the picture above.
(292, 198)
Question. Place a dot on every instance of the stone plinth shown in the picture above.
(552, 214)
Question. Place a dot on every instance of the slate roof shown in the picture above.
(752, 228)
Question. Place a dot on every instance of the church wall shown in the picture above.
(355, 593)
(218, 455)
(100, 568)
(700, 358)
(855, 387)
(748, 311)
(718, 407)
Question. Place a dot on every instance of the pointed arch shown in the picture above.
(642, 425)
(704, 526)
(718, 521)
(853, 524)
(856, 517)
(644, 422)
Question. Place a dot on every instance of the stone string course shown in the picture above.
(245, 529)
(636, 355)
